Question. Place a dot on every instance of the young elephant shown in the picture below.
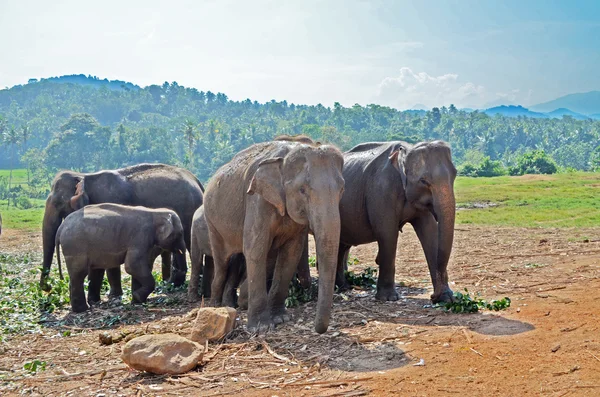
(104, 236)
(202, 263)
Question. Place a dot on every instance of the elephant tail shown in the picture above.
(58, 257)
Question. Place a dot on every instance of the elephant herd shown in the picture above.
(249, 228)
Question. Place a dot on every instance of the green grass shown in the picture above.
(561, 200)
(19, 176)
(29, 219)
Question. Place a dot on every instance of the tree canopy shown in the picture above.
(87, 127)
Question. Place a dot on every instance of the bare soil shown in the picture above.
(547, 343)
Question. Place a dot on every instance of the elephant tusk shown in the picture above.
(181, 252)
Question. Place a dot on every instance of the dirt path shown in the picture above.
(547, 343)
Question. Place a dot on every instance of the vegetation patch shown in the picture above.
(23, 304)
(465, 303)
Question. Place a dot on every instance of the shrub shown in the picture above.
(23, 202)
(487, 168)
(534, 162)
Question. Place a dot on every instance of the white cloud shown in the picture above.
(410, 88)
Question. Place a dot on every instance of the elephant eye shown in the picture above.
(302, 190)
(424, 182)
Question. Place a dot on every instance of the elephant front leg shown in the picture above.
(137, 264)
(386, 259)
(193, 293)
(427, 231)
(78, 270)
(288, 255)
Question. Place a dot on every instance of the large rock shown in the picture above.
(213, 323)
(162, 354)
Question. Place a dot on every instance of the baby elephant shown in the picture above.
(103, 236)
(202, 263)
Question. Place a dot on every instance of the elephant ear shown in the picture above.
(80, 199)
(165, 229)
(397, 159)
(267, 183)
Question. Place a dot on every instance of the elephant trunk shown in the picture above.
(180, 265)
(445, 208)
(325, 225)
(52, 220)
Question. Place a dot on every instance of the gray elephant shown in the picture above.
(387, 185)
(104, 236)
(149, 185)
(265, 200)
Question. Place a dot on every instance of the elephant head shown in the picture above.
(428, 176)
(307, 185)
(72, 191)
(169, 236)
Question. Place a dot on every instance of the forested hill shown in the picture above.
(65, 124)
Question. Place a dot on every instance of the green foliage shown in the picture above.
(464, 303)
(366, 279)
(35, 366)
(81, 127)
(298, 295)
(534, 162)
(24, 202)
(486, 168)
(22, 303)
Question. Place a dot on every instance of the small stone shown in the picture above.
(162, 354)
(555, 348)
(213, 323)
(105, 338)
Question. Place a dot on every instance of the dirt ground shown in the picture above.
(547, 343)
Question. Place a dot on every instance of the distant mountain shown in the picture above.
(499, 102)
(419, 106)
(585, 103)
(559, 113)
(114, 85)
(513, 111)
(595, 116)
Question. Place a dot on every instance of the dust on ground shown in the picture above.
(547, 343)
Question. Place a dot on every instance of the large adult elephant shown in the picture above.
(389, 184)
(264, 200)
(148, 185)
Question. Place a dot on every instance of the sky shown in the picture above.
(395, 53)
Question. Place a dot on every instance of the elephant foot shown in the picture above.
(280, 316)
(79, 307)
(177, 279)
(260, 323)
(139, 297)
(115, 294)
(446, 295)
(93, 299)
(387, 294)
(192, 297)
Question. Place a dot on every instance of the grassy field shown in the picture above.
(562, 200)
(19, 176)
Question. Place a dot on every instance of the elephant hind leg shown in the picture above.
(95, 278)
(342, 266)
(114, 280)
(289, 255)
(196, 270)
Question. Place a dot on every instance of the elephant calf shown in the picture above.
(202, 263)
(103, 236)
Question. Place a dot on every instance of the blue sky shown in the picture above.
(394, 53)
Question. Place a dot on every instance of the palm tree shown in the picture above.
(190, 133)
(10, 138)
(25, 134)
